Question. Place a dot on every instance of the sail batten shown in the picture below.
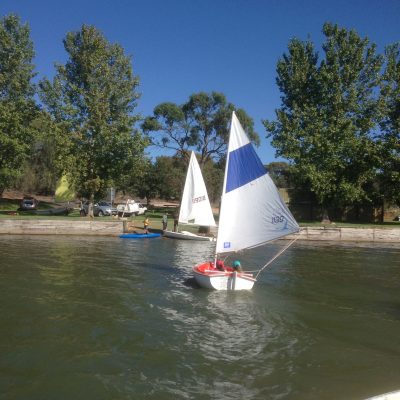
(252, 211)
(195, 205)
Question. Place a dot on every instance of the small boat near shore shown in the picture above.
(195, 206)
(48, 212)
(186, 235)
(139, 235)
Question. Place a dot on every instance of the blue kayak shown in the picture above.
(139, 235)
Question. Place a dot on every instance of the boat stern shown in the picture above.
(207, 276)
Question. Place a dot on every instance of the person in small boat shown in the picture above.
(164, 222)
(146, 224)
(237, 266)
(220, 265)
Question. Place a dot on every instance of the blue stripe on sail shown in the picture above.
(244, 167)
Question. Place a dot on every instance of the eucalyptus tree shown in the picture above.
(200, 124)
(93, 97)
(17, 105)
(390, 125)
(328, 114)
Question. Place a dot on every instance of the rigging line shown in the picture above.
(276, 256)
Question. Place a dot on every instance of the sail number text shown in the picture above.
(198, 199)
(277, 219)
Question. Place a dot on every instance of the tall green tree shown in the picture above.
(169, 175)
(143, 182)
(17, 106)
(390, 125)
(93, 96)
(325, 124)
(48, 156)
(200, 124)
(280, 173)
(213, 174)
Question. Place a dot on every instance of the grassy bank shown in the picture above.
(316, 224)
(9, 207)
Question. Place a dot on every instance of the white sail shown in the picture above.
(195, 206)
(252, 211)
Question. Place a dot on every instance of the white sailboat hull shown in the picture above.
(184, 235)
(387, 396)
(210, 278)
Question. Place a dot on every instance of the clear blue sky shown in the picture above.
(180, 47)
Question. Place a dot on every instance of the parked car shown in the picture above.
(99, 209)
(131, 208)
(28, 203)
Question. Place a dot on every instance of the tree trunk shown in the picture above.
(325, 216)
(90, 208)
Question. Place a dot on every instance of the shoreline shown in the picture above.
(346, 234)
(117, 227)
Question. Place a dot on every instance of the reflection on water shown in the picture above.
(101, 318)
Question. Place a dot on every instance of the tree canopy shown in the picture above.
(200, 124)
(47, 156)
(328, 115)
(279, 172)
(390, 125)
(92, 98)
(18, 109)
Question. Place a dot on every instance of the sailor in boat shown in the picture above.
(237, 266)
(220, 265)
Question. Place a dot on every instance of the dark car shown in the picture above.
(28, 204)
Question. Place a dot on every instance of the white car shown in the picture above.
(142, 209)
(131, 208)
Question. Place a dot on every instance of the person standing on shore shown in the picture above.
(164, 222)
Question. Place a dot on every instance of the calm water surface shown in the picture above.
(106, 318)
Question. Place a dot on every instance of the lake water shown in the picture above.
(108, 318)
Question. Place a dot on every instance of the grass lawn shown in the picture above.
(316, 224)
